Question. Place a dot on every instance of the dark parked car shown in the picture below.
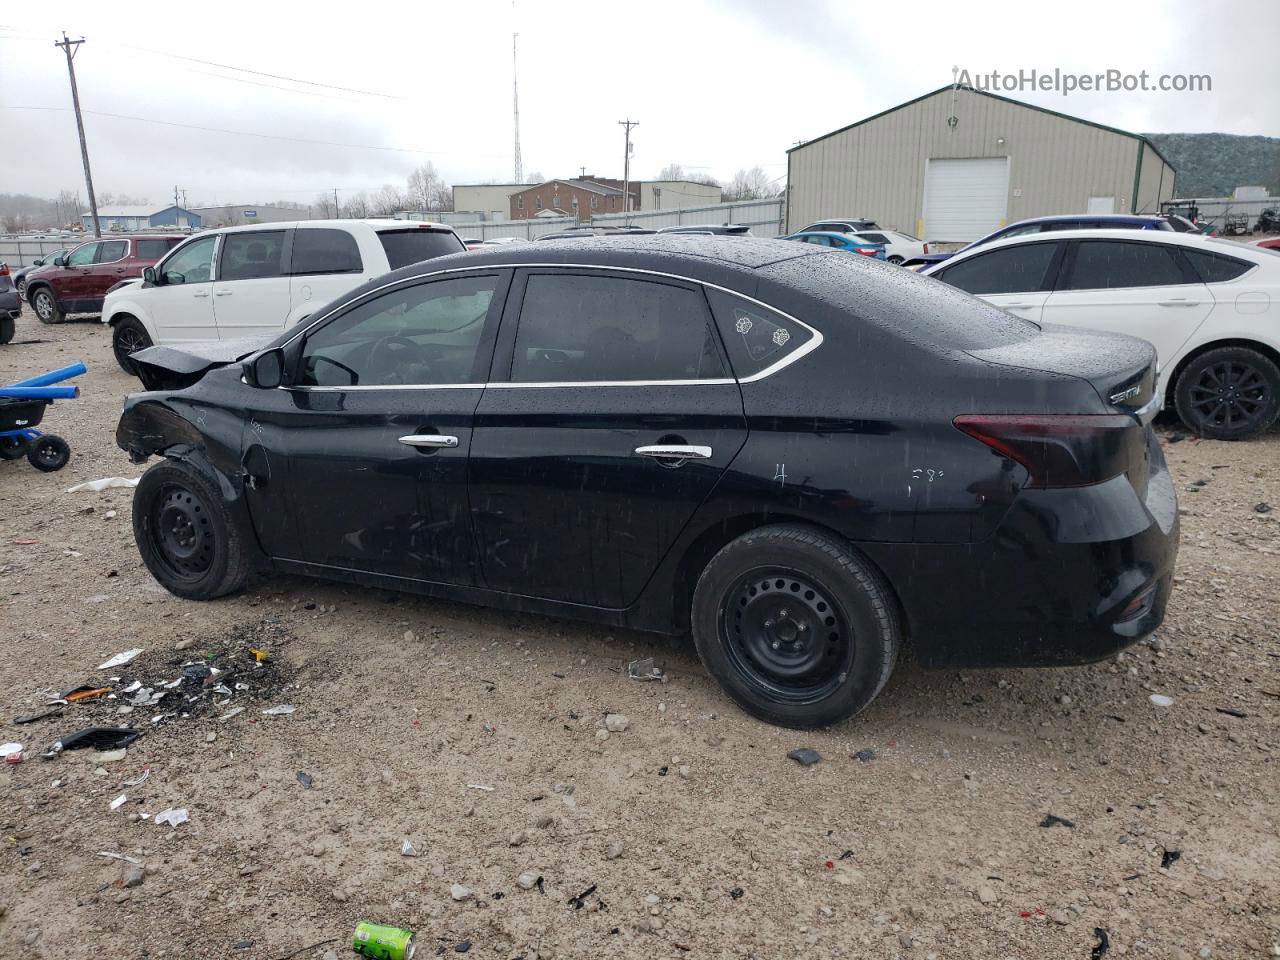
(1100, 221)
(712, 229)
(10, 305)
(20, 276)
(802, 459)
(78, 282)
(1268, 221)
(577, 233)
(841, 225)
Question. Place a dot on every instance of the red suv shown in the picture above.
(78, 281)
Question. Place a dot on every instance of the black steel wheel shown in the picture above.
(786, 634)
(1228, 393)
(48, 453)
(186, 533)
(128, 336)
(796, 626)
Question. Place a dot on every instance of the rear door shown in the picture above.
(251, 291)
(110, 266)
(325, 263)
(1146, 290)
(1016, 278)
(360, 463)
(609, 418)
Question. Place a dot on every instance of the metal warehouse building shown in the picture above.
(955, 164)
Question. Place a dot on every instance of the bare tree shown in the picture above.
(387, 201)
(753, 184)
(706, 178)
(427, 189)
(672, 171)
(535, 178)
(326, 208)
(357, 206)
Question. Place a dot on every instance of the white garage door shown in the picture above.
(965, 199)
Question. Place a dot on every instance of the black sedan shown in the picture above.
(805, 460)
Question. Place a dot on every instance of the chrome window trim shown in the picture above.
(808, 347)
(128, 249)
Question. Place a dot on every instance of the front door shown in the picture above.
(360, 463)
(615, 421)
(1016, 278)
(73, 281)
(251, 292)
(1146, 290)
(181, 303)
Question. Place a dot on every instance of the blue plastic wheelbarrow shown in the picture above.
(21, 410)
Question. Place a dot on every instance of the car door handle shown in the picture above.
(1179, 302)
(201, 293)
(666, 451)
(1017, 303)
(224, 293)
(429, 440)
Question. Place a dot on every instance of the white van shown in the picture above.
(260, 279)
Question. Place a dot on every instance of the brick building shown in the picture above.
(583, 198)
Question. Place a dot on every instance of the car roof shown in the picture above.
(1227, 248)
(1091, 217)
(346, 222)
(828, 233)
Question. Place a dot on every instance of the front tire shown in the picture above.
(8, 327)
(796, 627)
(128, 336)
(48, 453)
(46, 306)
(896, 260)
(1228, 393)
(186, 534)
(21, 287)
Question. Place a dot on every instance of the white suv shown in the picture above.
(256, 280)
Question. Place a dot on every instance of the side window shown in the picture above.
(1113, 264)
(109, 251)
(1213, 267)
(756, 337)
(577, 328)
(250, 256)
(324, 250)
(151, 249)
(192, 264)
(875, 237)
(1020, 269)
(425, 334)
(1025, 231)
(83, 255)
(818, 241)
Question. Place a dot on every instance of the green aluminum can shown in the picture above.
(382, 943)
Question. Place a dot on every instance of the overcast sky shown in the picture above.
(716, 86)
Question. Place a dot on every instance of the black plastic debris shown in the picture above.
(1232, 712)
(736, 893)
(541, 888)
(580, 899)
(304, 778)
(662, 771)
(99, 738)
(1103, 944)
(1169, 858)
(462, 947)
(243, 944)
(1263, 507)
(846, 855)
(1051, 820)
(805, 756)
(866, 756)
(199, 672)
(43, 714)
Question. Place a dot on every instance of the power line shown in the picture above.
(245, 133)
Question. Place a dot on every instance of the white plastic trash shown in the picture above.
(1160, 700)
(281, 711)
(173, 816)
(95, 486)
(120, 659)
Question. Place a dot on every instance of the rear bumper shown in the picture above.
(1071, 576)
(10, 304)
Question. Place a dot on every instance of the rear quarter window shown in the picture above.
(755, 336)
(152, 249)
(404, 247)
(1214, 267)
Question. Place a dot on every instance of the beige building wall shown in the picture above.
(1156, 182)
(876, 169)
(486, 198)
(673, 194)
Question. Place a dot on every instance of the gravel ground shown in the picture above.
(477, 736)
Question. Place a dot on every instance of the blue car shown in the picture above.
(1079, 221)
(840, 241)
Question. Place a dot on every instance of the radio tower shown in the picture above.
(515, 98)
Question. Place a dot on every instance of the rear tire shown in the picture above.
(48, 453)
(128, 335)
(896, 260)
(46, 306)
(186, 534)
(796, 627)
(12, 448)
(1228, 393)
(8, 327)
(21, 287)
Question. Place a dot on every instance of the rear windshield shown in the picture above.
(404, 247)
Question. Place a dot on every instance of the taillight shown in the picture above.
(4, 269)
(1070, 450)
(865, 251)
(926, 248)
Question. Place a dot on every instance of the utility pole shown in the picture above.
(69, 47)
(626, 164)
(176, 208)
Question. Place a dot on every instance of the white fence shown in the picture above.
(20, 251)
(764, 217)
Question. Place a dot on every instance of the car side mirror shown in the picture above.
(149, 275)
(59, 261)
(266, 370)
